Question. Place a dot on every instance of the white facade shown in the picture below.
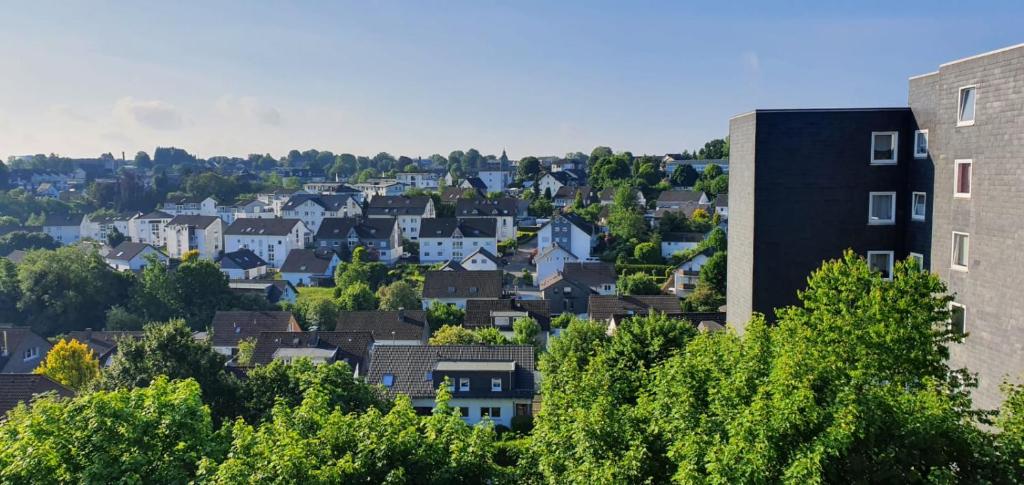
(415, 180)
(271, 248)
(181, 238)
(147, 230)
(313, 214)
(568, 235)
(478, 262)
(668, 248)
(495, 180)
(548, 183)
(440, 249)
(64, 234)
(306, 278)
(99, 229)
(206, 207)
(137, 262)
(550, 262)
(507, 406)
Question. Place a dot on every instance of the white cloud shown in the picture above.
(67, 112)
(752, 62)
(154, 114)
(249, 108)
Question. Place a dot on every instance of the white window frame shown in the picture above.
(920, 259)
(967, 251)
(892, 207)
(963, 308)
(892, 261)
(960, 105)
(913, 206)
(466, 387)
(918, 154)
(895, 148)
(496, 380)
(956, 178)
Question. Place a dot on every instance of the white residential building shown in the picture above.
(408, 210)
(480, 260)
(63, 228)
(132, 256)
(570, 231)
(418, 180)
(200, 233)
(313, 208)
(149, 228)
(98, 228)
(270, 239)
(550, 260)
(503, 211)
(190, 206)
(444, 239)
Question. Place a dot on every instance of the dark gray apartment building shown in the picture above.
(941, 180)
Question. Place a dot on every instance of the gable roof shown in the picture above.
(722, 200)
(451, 194)
(411, 365)
(231, 327)
(366, 229)
(242, 259)
(261, 227)
(103, 342)
(452, 265)
(127, 250)
(555, 246)
(680, 196)
(576, 221)
(352, 347)
(187, 199)
(10, 340)
(307, 261)
(587, 274)
(604, 307)
(201, 222)
(17, 388)
(481, 252)
(478, 312)
(682, 237)
(330, 202)
(505, 206)
(463, 284)
(469, 227)
(156, 215)
(63, 220)
(386, 325)
(393, 205)
(476, 183)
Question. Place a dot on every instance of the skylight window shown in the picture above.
(388, 380)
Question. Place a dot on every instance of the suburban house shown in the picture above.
(186, 233)
(270, 239)
(98, 227)
(381, 238)
(496, 179)
(274, 291)
(352, 348)
(310, 267)
(190, 206)
(21, 350)
(612, 309)
(231, 327)
(566, 196)
(149, 228)
(572, 232)
(474, 183)
(253, 208)
(442, 239)
(679, 241)
(722, 205)
(607, 196)
(63, 228)
(408, 210)
(418, 180)
(132, 256)
(569, 290)
(681, 199)
(480, 260)
(503, 210)
(373, 188)
(550, 261)
(685, 276)
(552, 181)
(502, 314)
(494, 382)
(399, 327)
(103, 343)
(313, 208)
(23, 387)
(457, 287)
(242, 265)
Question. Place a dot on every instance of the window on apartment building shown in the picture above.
(919, 258)
(491, 412)
(921, 144)
(918, 206)
(463, 384)
(464, 412)
(962, 178)
(882, 208)
(881, 261)
(965, 108)
(495, 384)
(961, 250)
(958, 318)
(883, 147)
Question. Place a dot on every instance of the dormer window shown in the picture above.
(496, 384)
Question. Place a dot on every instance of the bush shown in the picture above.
(522, 424)
(647, 252)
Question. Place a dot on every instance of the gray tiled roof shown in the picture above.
(15, 388)
(127, 250)
(481, 252)
(679, 196)
(353, 347)
(469, 227)
(63, 220)
(411, 365)
(366, 229)
(156, 215)
(398, 205)
(232, 327)
(505, 206)
(197, 221)
(103, 342)
(462, 284)
(589, 274)
(261, 227)
(386, 325)
(310, 261)
(478, 312)
(241, 259)
(331, 202)
(604, 307)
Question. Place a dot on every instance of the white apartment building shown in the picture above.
(270, 239)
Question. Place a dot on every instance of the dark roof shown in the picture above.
(469, 227)
(588, 274)
(450, 194)
(272, 290)
(478, 312)
(462, 284)
(16, 256)
(683, 237)
(331, 202)
(576, 221)
(63, 220)
(16, 388)
(395, 205)
(604, 307)
(188, 199)
(352, 347)
(10, 340)
(412, 364)
(229, 328)
(482, 252)
(127, 250)
(680, 196)
(687, 209)
(103, 342)
(156, 215)
(366, 229)
(452, 265)
(505, 206)
(261, 227)
(608, 194)
(307, 261)
(386, 325)
(241, 259)
(722, 200)
(476, 183)
(197, 221)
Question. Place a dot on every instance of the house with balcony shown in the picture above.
(312, 209)
(191, 206)
(270, 239)
(194, 233)
(449, 238)
(381, 237)
(149, 228)
(409, 211)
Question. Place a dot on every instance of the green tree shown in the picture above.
(169, 349)
(246, 349)
(154, 435)
(713, 272)
(453, 335)
(397, 296)
(541, 207)
(357, 297)
(714, 149)
(684, 176)
(525, 331)
(317, 312)
(287, 383)
(637, 284)
(529, 168)
(120, 318)
(489, 336)
(155, 296)
(625, 219)
(202, 289)
(71, 363)
(25, 241)
(647, 253)
(10, 292)
(115, 238)
(440, 314)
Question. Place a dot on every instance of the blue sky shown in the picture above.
(415, 78)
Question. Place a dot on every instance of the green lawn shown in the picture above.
(309, 292)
